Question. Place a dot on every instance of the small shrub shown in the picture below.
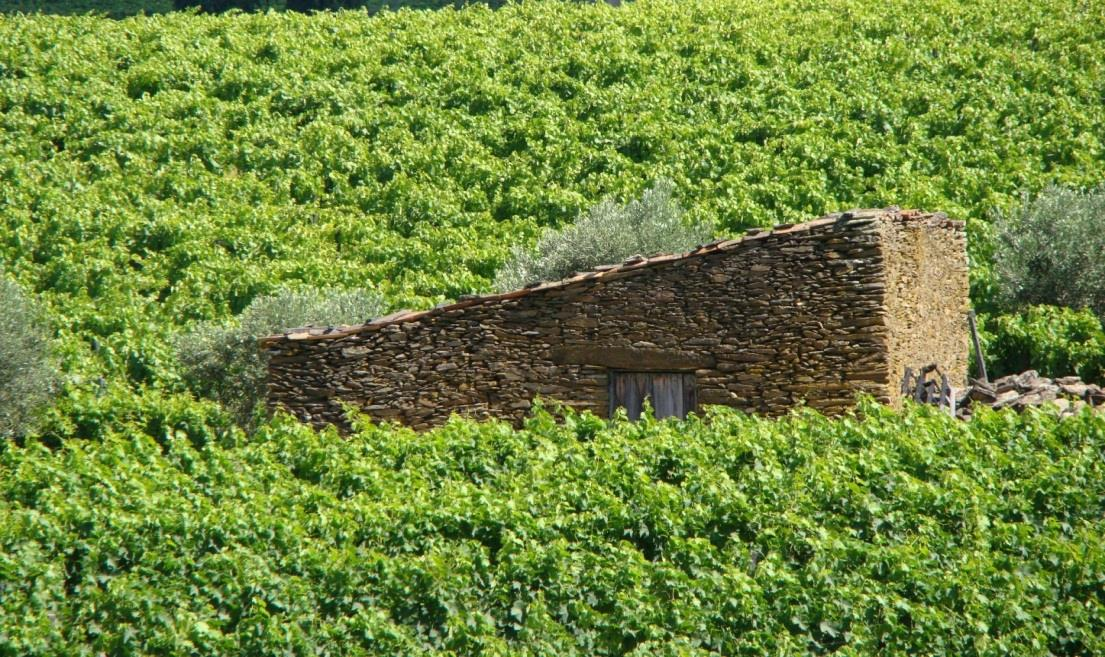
(1054, 341)
(224, 363)
(1049, 251)
(27, 373)
(607, 233)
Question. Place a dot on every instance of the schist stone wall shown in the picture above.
(812, 313)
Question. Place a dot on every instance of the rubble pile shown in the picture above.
(1020, 391)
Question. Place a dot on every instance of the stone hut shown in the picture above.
(810, 313)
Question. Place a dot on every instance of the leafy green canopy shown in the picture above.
(904, 534)
(608, 233)
(167, 170)
(1054, 341)
(124, 8)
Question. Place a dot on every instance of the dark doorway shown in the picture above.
(672, 394)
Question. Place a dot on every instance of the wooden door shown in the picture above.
(672, 394)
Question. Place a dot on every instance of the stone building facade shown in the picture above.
(811, 313)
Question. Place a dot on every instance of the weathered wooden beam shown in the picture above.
(978, 347)
(632, 358)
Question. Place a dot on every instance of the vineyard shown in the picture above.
(125, 8)
(905, 535)
(164, 170)
(162, 173)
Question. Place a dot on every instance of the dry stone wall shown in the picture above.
(795, 314)
(927, 298)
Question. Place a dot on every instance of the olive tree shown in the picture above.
(223, 362)
(609, 232)
(1049, 251)
(28, 376)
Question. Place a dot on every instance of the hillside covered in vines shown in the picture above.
(165, 172)
(159, 171)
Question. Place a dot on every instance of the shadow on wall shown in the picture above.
(125, 8)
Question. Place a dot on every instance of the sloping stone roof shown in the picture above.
(599, 273)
